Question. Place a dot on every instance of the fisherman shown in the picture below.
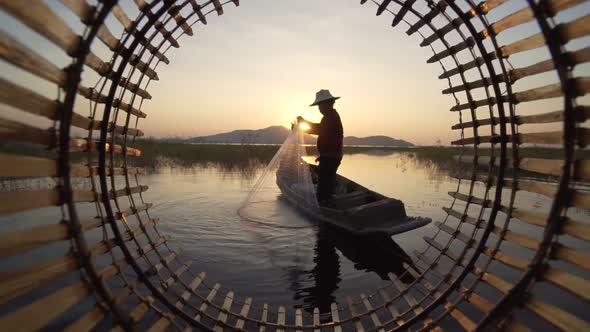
(329, 143)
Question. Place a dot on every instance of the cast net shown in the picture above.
(286, 184)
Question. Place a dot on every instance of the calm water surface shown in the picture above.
(285, 258)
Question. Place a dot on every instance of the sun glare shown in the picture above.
(304, 126)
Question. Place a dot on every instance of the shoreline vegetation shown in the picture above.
(156, 153)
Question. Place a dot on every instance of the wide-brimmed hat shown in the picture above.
(323, 95)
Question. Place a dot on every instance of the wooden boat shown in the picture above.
(353, 208)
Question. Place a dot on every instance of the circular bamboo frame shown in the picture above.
(131, 279)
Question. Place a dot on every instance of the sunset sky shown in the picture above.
(260, 65)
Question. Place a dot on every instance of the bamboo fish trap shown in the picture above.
(103, 264)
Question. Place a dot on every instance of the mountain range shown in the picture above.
(278, 134)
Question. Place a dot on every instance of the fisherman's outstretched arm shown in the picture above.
(314, 128)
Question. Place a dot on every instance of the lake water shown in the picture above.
(283, 258)
(286, 258)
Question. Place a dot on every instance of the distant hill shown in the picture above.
(270, 135)
(278, 134)
(375, 141)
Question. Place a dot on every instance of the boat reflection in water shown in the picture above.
(377, 254)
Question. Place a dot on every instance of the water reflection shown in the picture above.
(372, 254)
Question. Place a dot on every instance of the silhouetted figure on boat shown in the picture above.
(330, 136)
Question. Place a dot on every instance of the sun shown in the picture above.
(304, 126)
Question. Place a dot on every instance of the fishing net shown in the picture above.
(287, 180)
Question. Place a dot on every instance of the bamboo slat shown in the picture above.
(316, 319)
(225, 308)
(573, 256)
(16, 242)
(402, 12)
(298, 320)
(176, 275)
(483, 8)
(576, 229)
(567, 31)
(478, 301)
(455, 233)
(515, 326)
(14, 52)
(581, 86)
(471, 199)
(550, 313)
(205, 304)
(506, 259)
(33, 103)
(174, 11)
(577, 198)
(391, 307)
(157, 24)
(460, 317)
(18, 282)
(382, 7)
(164, 322)
(463, 217)
(218, 7)
(438, 246)
(141, 309)
(244, 313)
(435, 9)
(129, 28)
(83, 145)
(19, 132)
(479, 61)
(281, 319)
(192, 286)
(80, 8)
(160, 325)
(410, 300)
(22, 166)
(569, 282)
(45, 309)
(141, 229)
(101, 99)
(40, 18)
(87, 321)
(576, 58)
(163, 262)
(25, 200)
(373, 315)
(425, 282)
(127, 191)
(133, 210)
(263, 319)
(133, 87)
(581, 168)
(556, 316)
(517, 18)
(335, 317)
(517, 238)
(143, 67)
(355, 315)
(197, 10)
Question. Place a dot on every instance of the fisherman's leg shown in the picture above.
(324, 181)
(332, 169)
(328, 168)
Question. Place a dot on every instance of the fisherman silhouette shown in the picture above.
(330, 135)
